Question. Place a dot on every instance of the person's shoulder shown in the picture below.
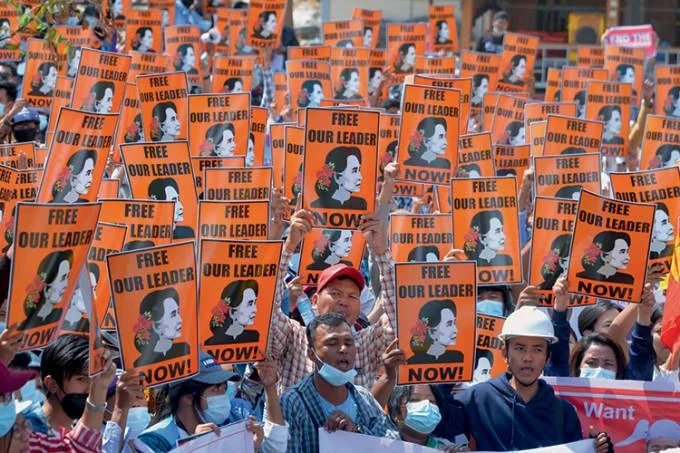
(292, 396)
(160, 436)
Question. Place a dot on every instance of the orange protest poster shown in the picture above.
(482, 68)
(200, 164)
(144, 31)
(147, 63)
(605, 233)
(219, 124)
(222, 25)
(387, 141)
(610, 102)
(443, 29)
(486, 227)
(371, 19)
(661, 144)
(568, 135)
(309, 81)
(339, 165)
(108, 238)
(163, 172)
(50, 248)
(626, 65)
(435, 65)
(281, 98)
(9, 21)
(246, 220)
(442, 198)
(537, 137)
(310, 53)
(183, 44)
(343, 33)
(322, 249)
(436, 316)
(96, 345)
(428, 135)
(553, 82)
(167, 8)
(662, 188)
(164, 104)
(278, 138)
(24, 185)
(116, 11)
(349, 73)
(154, 299)
(517, 62)
(590, 57)
(574, 83)
(100, 84)
(667, 94)
(238, 184)
(377, 62)
(539, 111)
(292, 163)
(404, 43)
(511, 160)
(258, 135)
(8, 177)
(108, 188)
(149, 223)
(489, 357)
(77, 158)
(564, 176)
(70, 48)
(60, 98)
(420, 237)
(489, 108)
(465, 87)
(265, 22)
(238, 33)
(130, 127)
(475, 155)
(237, 290)
(11, 153)
(232, 74)
(40, 74)
(507, 125)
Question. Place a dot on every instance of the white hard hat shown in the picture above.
(528, 322)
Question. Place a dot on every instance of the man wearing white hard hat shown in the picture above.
(517, 410)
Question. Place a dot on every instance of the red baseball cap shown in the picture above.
(11, 381)
(339, 271)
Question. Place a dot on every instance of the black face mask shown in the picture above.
(25, 135)
(188, 3)
(74, 404)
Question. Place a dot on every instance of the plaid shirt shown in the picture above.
(302, 409)
(288, 343)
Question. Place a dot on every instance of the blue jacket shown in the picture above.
(498, 419)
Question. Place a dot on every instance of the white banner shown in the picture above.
(231, 438)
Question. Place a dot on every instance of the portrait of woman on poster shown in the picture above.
(159, 324)
(330, 249)
(5, 32)
(44, 80)
(480, 85)
(569, 192)
(375, 76)
(116, 9)
(47, 289)
(242, 46)
(662, 233)
(423, 253)
(515, 73)
(220, 141)
(555, 262)
(143, 40)
(75, 179)
(233, 85)
(472, 171)
(428, 144)
(311, 94)
(134, 132)
(74, 54)
(611, 115)
(443, 32)
(266, 26)
(349, 85)
(606, 256)
(167, 189)
(234, 312)
(185, 59)
(75, 319)
(486, 239)
(625, 73)
(367, 40)
(573, 150)
(672, 105)
(580, 100)
(94, 272)
(296, 186)
(345, 44)
(100, 99)
(514, 134)
(165, 125)
(483, 367)
(387, 157)
(406, 58)
(666, 156)
(250, 151)
(434, 332)
(338, 179)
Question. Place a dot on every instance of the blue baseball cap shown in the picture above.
(25, 115)
(210, 372)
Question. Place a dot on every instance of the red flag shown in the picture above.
(670, 328)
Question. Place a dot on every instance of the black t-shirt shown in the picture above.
(490, 44)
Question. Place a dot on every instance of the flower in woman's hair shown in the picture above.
(8, 224)
(132, 132)
(321, 244)
(398, 61)
(206, 148)
(419, 332)
(508, 70)
(505, 138)
(303, 97)
(550, 261)
(655, 163)
(415, 141)
(63, 178)
(592, 253)
(155, 130)
(219, 312)
(89, 102)
(297, 183)
(257, 29)
(36, 81)
(471, 239)
(142, 328)
(34, 290)
(340, 87)
(325, 176)
(384, 160)
(135, 43)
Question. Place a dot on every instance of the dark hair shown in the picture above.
(471, 167)
(606, 112)
(232, 295)
(477, 80)
(10, 89)
(75, 164)
(264, 15)
(93, 268)
(98, 90)
(339, 157)
(332, 236)
(346, 76)
(182, 52)
(230, 83)
(622, 69)
(403, 49)
(580, 97)
(506, 172)
(43, 70)
(159, 114)
(439, 24)
(308, 88)
(426, 128)
(605, 241)
(663, 153)
(560, 248)
(136, 245)
(64, 358)
(47, 272)
(431, 312)
(568, 191)
(346, 43)
(673, 95)
(600, 339)
(169, 397)
(152, 307)
(508, 300)
(129, 138)
(481, 222)
(373, 71)
(661, 206)
(512, 130)
(326, 319)
(141, 31)
(215, 134)
(402, 393)
(420, 252)
(514, 62)
(157, 188)
(483, 354)
(573, 150)
(591, 313)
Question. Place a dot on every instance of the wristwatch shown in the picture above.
(95, 407)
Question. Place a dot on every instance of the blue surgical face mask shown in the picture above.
(334, 376)
(30, 392)
(490, 307)
(422, 416)
(137, 420)
(2, 109)
(3, 326)
(218, 409)
(8, 416)
(232, 388)
(598, 373)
